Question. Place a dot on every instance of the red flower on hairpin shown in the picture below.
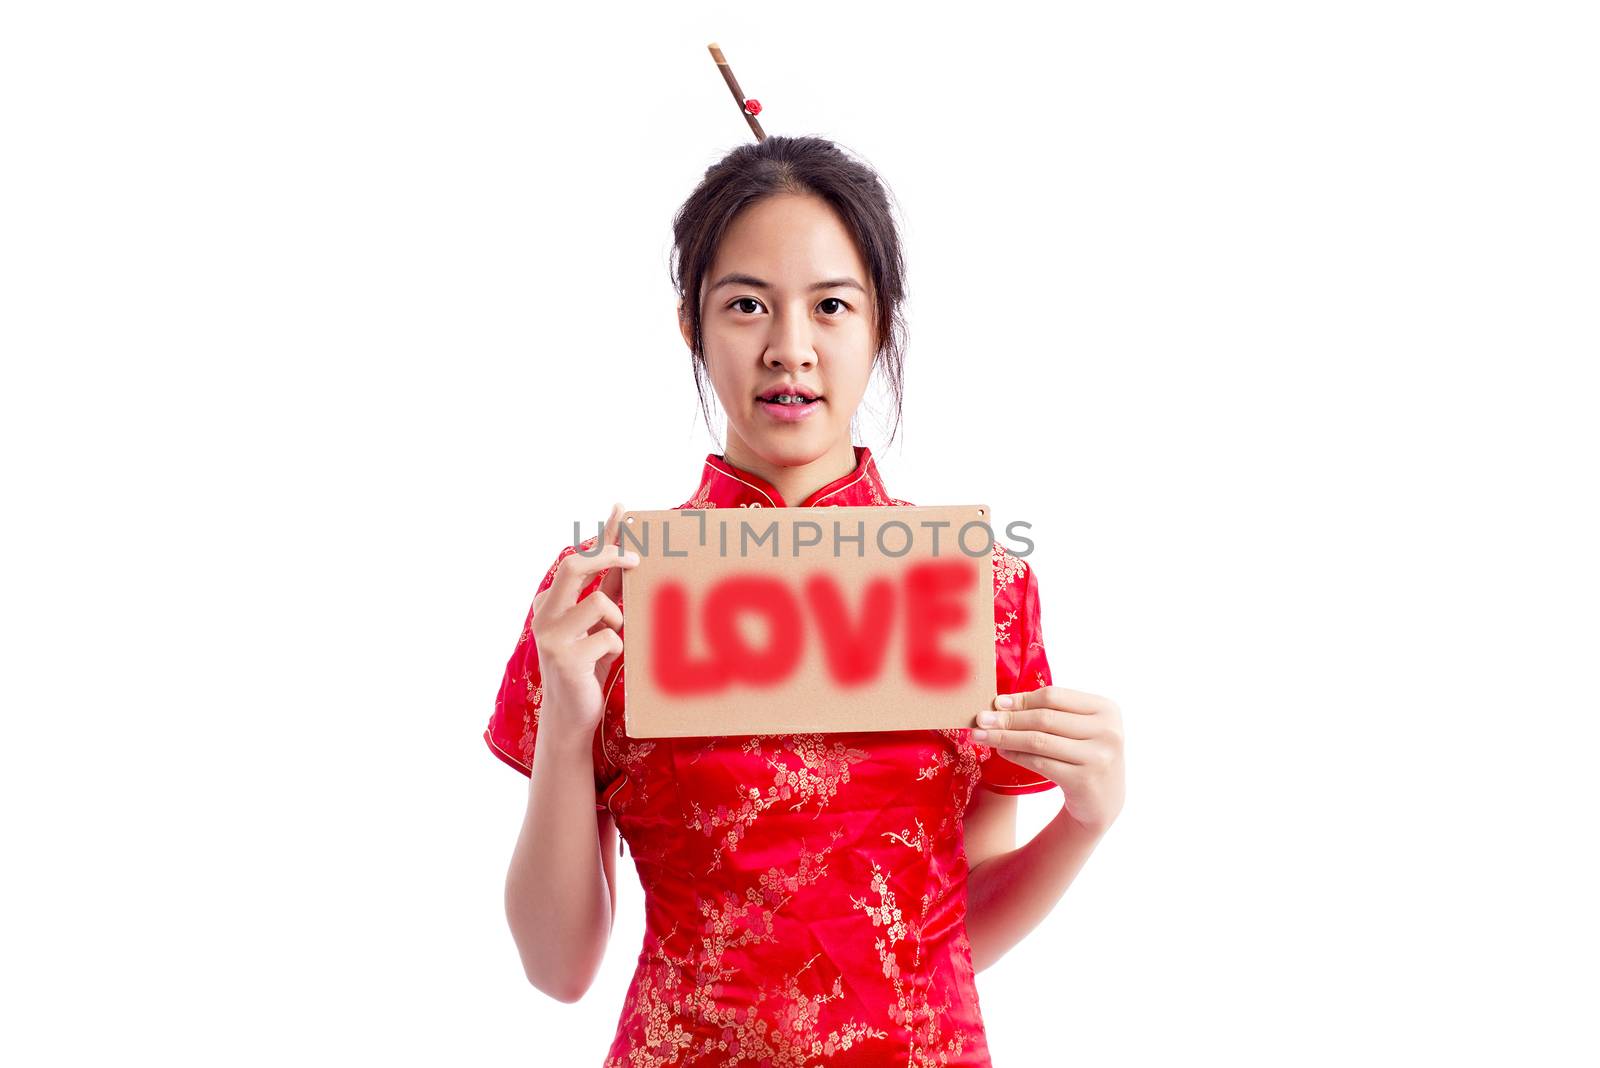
(753, 106)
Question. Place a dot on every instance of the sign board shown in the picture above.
(787, 620)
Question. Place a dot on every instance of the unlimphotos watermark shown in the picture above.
(893, 538)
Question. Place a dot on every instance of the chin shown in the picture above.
(791, 446)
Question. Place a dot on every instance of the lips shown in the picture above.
(793, 390)
(792, 409)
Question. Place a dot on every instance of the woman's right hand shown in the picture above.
(578, 641)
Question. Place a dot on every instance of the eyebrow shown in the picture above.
(737, 279)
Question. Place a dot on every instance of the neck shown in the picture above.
(797, 482)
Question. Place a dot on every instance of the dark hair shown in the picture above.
(796, 165)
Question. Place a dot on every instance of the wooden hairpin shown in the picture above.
(749, 108)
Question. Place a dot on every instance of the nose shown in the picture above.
(790, 344)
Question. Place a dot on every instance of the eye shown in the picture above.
(740, 302)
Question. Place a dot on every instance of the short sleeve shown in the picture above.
(1020, 664)
(513, 728)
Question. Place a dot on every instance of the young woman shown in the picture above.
(810, 899)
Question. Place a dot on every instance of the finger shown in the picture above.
(1060, 772)
(612, 583)
(595, 610)
(1035, 744)
(576, 570)
(1051, 720)
(1082, 762)
(602, 667)
(602, 643)
(1060, 697)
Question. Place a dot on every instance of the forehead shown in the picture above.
(789, 239)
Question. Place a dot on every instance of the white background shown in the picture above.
(323, 321)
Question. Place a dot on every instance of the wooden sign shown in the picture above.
(785, 620)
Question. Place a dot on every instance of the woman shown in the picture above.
(814, 898)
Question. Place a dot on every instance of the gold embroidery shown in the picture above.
(926, 1029)
(1007, 567)
(912, 1008)
(678, 1010)
(885, 914)
(787, 1034)
(702, 496)
(530, 717)
(632, 763)
(941, 760)
(1002, 628)
(824, 769)
(920, 841)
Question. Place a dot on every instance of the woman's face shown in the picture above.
(787, 302)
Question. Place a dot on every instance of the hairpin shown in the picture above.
(749, 108)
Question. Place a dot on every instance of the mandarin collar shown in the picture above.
(722, 485)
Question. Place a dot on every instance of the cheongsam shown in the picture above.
(805, 894)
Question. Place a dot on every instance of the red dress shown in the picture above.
(805, 894)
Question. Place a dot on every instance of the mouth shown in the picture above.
(789, 396)
(789, 403)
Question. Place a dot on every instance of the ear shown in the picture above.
(684, 326)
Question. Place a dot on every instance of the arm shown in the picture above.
(989, 826)
(1075, 740)
(1008, 893)
(560, 891)
(560, 888)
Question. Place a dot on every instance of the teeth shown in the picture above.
(789, 398)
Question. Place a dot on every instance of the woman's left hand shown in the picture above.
(1070, 737)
